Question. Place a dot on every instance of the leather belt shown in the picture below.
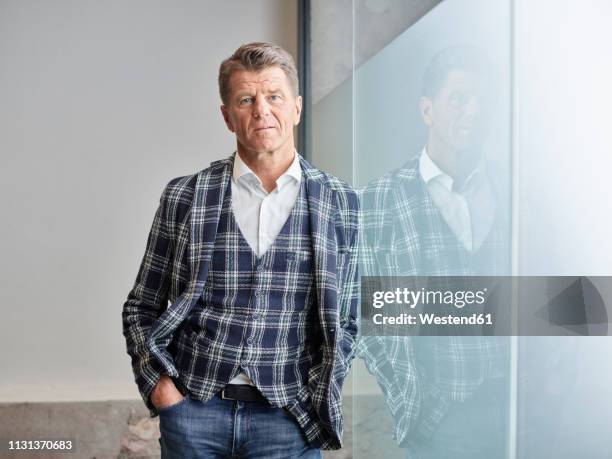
(242, 392)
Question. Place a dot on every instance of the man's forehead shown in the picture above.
(271, 76)
(465, 80)
(461, 76)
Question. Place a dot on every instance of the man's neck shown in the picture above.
(453, 163)
(444, 157)
(268, 166)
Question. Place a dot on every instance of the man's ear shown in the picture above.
(298, 109)
(425, 106)
(226, 118)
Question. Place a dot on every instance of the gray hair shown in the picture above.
(255, 57)
(466, 58)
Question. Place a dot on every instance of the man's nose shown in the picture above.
(261, 107)
(472, 106)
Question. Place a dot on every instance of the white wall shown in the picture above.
(102, 103)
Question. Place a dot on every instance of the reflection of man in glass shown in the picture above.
(439, 215)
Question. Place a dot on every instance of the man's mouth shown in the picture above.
(465, 129)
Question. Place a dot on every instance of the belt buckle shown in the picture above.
(223, 397)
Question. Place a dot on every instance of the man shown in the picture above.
(439, 215)
(241, 325)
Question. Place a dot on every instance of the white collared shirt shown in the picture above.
(261, 215)
(469, 214)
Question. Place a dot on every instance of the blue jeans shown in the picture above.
(230, 429)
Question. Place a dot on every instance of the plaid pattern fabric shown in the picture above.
(174, 273)
(256, 315)
(404, 234)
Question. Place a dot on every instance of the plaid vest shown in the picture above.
(256, 315)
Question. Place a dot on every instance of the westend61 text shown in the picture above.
(432, 319)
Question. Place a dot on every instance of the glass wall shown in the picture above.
(475, 133)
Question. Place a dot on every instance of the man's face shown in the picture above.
(455, 116)
(262, 110)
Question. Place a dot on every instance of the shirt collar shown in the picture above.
(429, 171)
(295, 170)
(242, 172)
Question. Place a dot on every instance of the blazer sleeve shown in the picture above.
(416, 404)
(348, 283)
(147, 300)
(388, 358)
(349, 289)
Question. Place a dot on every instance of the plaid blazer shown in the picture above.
(404, 234)
(175, 265)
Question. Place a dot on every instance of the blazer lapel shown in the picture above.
(205, 214)
(204, 218)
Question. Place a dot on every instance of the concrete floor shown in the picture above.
(123, 429)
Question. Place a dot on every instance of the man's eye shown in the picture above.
(458, 98)
(246, 100)
(275, 97)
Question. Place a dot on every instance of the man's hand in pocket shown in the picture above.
(165, 393)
